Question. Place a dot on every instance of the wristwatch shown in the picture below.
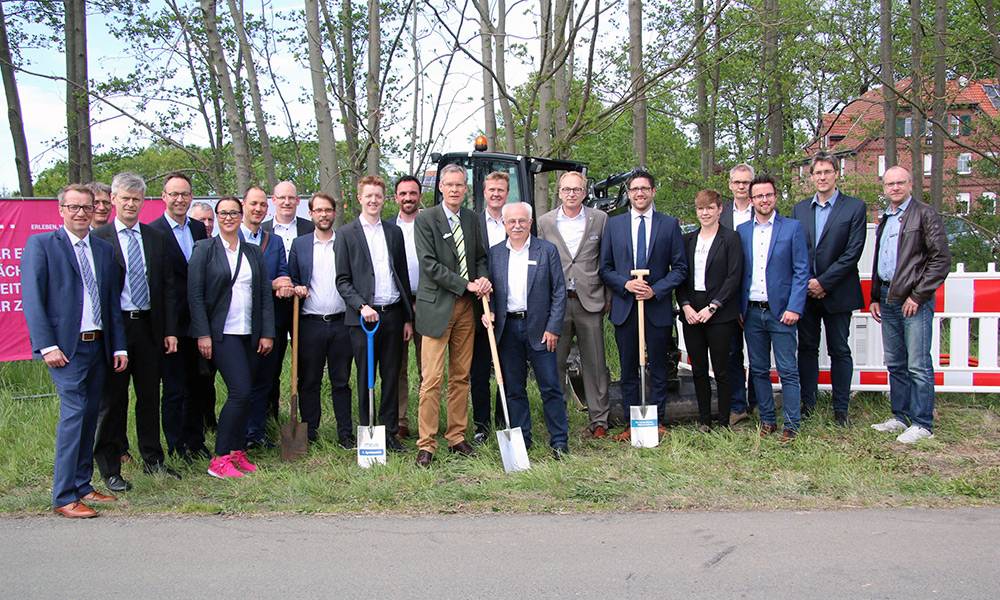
(712, 308)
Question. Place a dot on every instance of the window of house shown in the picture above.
(881, 165)
(927, 164)
(964, 163)
(989, 202)
(962, 203)
(904, 126)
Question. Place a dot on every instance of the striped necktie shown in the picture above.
(459, 237)
(89, 283)
(137, 286)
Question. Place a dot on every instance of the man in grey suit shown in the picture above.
(529, 305)
(576, 232)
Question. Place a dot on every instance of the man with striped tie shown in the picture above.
(453, 272)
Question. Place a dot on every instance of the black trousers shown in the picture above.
(144, 353)
(237, 359)
(704, 340)
(282, 327)
(184, 397)
(325, 344)
(388, 342)
(479, 384)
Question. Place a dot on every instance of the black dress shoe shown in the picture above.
(424, 458)
(462, 448)
(347, 442)
(313, 436)
(160, 469)
(841, 419)
(394, 444)
(807, 411)
(559, 452)
(480, 438)
(261, 444)
(117, 483)
(200, 452)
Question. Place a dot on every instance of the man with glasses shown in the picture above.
(70, 284)
(643, 239)
(835, 225)
(911, 262)
(102, 203)
(576, 231)
(185, 389)
(734, 214)
(775, 281)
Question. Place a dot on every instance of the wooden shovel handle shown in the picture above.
(493, 342)
(640, 274)
(295, 357)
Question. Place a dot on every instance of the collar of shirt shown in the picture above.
(524, 248)
(490, 219)
(174, 224)
(562, 216)
(120, 227)
(225, 246)
(73, 240)
(636, 214)
(900, 210)
(770, 220)
(251, 237)
(747, 210)
(377, 225)
(448, 214)
(830, 202)
(319, 242)
(283, 226)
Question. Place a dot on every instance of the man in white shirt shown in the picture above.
(407, 196)
(286, 223)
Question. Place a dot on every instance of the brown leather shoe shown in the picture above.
(767, 429)
(76, 510)
(424, 458)
(625, 436)
(662, 430)
(404, 432)
(462, 448)
(599, 433)
(787, 436)
(99, 498)
(735, 418)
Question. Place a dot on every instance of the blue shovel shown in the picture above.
(371, 438)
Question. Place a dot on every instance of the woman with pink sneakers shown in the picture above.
(232, 315)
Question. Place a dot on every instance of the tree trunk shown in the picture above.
(374, 62)
(486, 45)
(636, 75)
(414, 132)
(543, 137)
(329, 179)
(705, 143)
(72, 90)
(501, 71)
(241, 152)
(916, 89)
(989, 8)
(888, 82)
(775, 104)
(260, 120)
(940, 103)
(560, 90)
(346, 92)
(14, 115)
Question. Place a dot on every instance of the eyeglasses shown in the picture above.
(229, 214)
(285, 198)
(645, 189)
(572, 190)
(323, 211)
(824, 173)
(75, 208)
(454, 185)
(176, 195)
(104, 203)
(894, 183)
(770, 196)
(516, 222)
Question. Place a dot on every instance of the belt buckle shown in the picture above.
(134, 315)
(88, 336)
(327, 318)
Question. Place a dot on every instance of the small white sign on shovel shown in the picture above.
(645, 426)
(371, 446)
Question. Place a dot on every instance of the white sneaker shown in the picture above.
(890, 425)
(913, 434)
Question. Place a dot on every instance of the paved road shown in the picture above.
(906, 553)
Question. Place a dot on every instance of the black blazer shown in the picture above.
(723, 274)
(159, 276)
(356, 274)
(726, 220)
(210, 289)
(302, 226)
(834, 261)
(179, 264)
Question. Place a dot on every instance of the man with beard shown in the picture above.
(407, 196)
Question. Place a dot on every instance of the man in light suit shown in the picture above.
(835, 225)
(150, 319)
(70, 287)
(775, 281)
(643, 239)
(576, 231)
(529, 304)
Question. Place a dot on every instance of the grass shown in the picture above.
(826, 467)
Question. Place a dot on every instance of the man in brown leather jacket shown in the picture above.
(911, 262)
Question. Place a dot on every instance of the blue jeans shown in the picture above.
(907, 344)
(838, 326)
(516, 351)
(764, 332)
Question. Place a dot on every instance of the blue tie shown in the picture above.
(640, 253)
(89, 283)
(137, 273)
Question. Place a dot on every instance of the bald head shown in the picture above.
(286, 202)
(897, 184)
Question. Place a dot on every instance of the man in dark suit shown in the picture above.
(529, 303)
(407, 197)
(453, 276)
(70, 288)
(642, 239)
(773, 295)
(150, 318)
(185, 388)
(324, 340)
(372, 278)
(835, 225)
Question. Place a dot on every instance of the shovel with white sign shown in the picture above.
(371, 438)
(643, 419)
(513, 452)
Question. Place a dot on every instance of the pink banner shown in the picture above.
(20, 219)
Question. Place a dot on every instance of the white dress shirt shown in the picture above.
(741, 216)
(122, 229)
(495, 232)
(323, 299)
(701, 248)
(410, 244)
(241, 307)
(635, 232)
(571, 229)
(517, 277)
(760, 246)
(378, 249)
(287, 232)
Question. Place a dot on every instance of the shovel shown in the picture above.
(511, 441)
(643, 419)
(294, 433)
(371, 438)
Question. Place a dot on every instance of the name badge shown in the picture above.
(533, 263)
(594, 238)
(446, 236)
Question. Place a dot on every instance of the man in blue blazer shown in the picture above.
(529, 303)
(643, 239)
(775, 280)
(70, 285)
(835, 229)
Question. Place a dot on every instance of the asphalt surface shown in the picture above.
(904, 553)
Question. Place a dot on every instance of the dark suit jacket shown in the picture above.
(159, 276)
(273, 249)
(787, 270)
(835, 259)
(302, 226)
(300, 259)
(546, 290)
(723, 272)
(210, 289)
(726, 219)
(667, 266)
(52, 293)
(356, 274)
(440, 282)
(179, 264)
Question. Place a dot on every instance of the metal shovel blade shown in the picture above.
(513, 452)
(294, 437)
(371, 446)
(645, 426)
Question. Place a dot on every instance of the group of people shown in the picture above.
(117, 302)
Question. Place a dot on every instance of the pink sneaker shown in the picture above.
(223, 468)
(240, 461)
